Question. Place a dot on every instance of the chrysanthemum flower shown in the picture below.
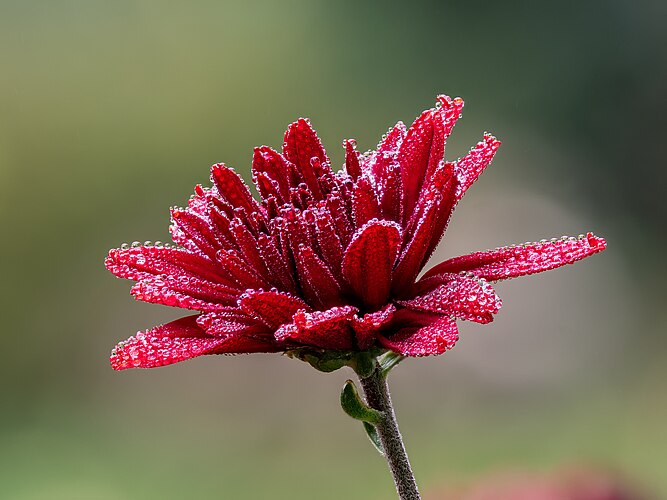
(327, 263)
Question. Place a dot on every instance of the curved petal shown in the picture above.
(187, 293)
(318, 284)
(471, 166)
(177, 341)
(144, 262)
(271, 308)
(413, 156)
(466, 298)
(369, 258)
(300, 147)
(529, 258)
(433, 339)
(324, 329)
(272, 164)
(231, 188)
(352, 166)
(367, 327)
(194, 232)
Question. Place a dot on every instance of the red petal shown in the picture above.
(271, 308)
(413, 157)
(449, 112)
(144, 262)
(387, 151)
(445, 210)
(412, 257)
(267, 187)
(511, 262)
(280, 273)
(436, 338)
(239, 272)
(336, 207)
(187, 293)
(369, 258)
(391, 194)
(469, 168)
(232, 188)
(233, 322)
(163, 345)
(319, 286)
(366, 328)
(323, 329)
(195, 233)
(329, 242)
(364, 202)
(248, 247)
(271, 163)
(300, 146)
(459, 296)
(352, 166)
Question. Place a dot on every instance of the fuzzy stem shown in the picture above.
(377, 396)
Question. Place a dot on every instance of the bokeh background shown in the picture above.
(110, 112)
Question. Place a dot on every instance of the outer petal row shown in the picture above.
(180, 340)
(530, 258)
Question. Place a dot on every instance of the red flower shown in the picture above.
(327, 261)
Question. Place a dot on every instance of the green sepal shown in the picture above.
(324, 361)
(372, 434)
(355, 407)
(364, 363)
(388, 361)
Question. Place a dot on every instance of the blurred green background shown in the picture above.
(110, 112)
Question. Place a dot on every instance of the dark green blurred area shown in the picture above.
(110, 112)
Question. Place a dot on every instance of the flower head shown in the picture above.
(327, 262)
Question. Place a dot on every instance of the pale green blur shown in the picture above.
(110, 112)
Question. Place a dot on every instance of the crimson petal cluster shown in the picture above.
(325, 260)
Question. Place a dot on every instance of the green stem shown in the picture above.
(377, 396)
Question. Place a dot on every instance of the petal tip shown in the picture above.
(596, 243)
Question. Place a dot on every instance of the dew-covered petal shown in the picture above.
(367, 327)
(272, 164)
(369, 258)
(248, 248)
(196, 233)
(413, 254)
(233, 321)
(529, 258)
(463, 297)
(320, 288)
(329, 242)
(385, 156)
(364, 202)
(470, 167)
(434, 338)
(430, 217)
(239, 272)
(445, 210)
(449, 112)
(339, 213)
(274, 261)
(231, 188)
(352, 165)
(300, 147)
(271, 308)
(328, 329)
(413, 157)
(163, 345)
(186, 293)
(144, 262)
